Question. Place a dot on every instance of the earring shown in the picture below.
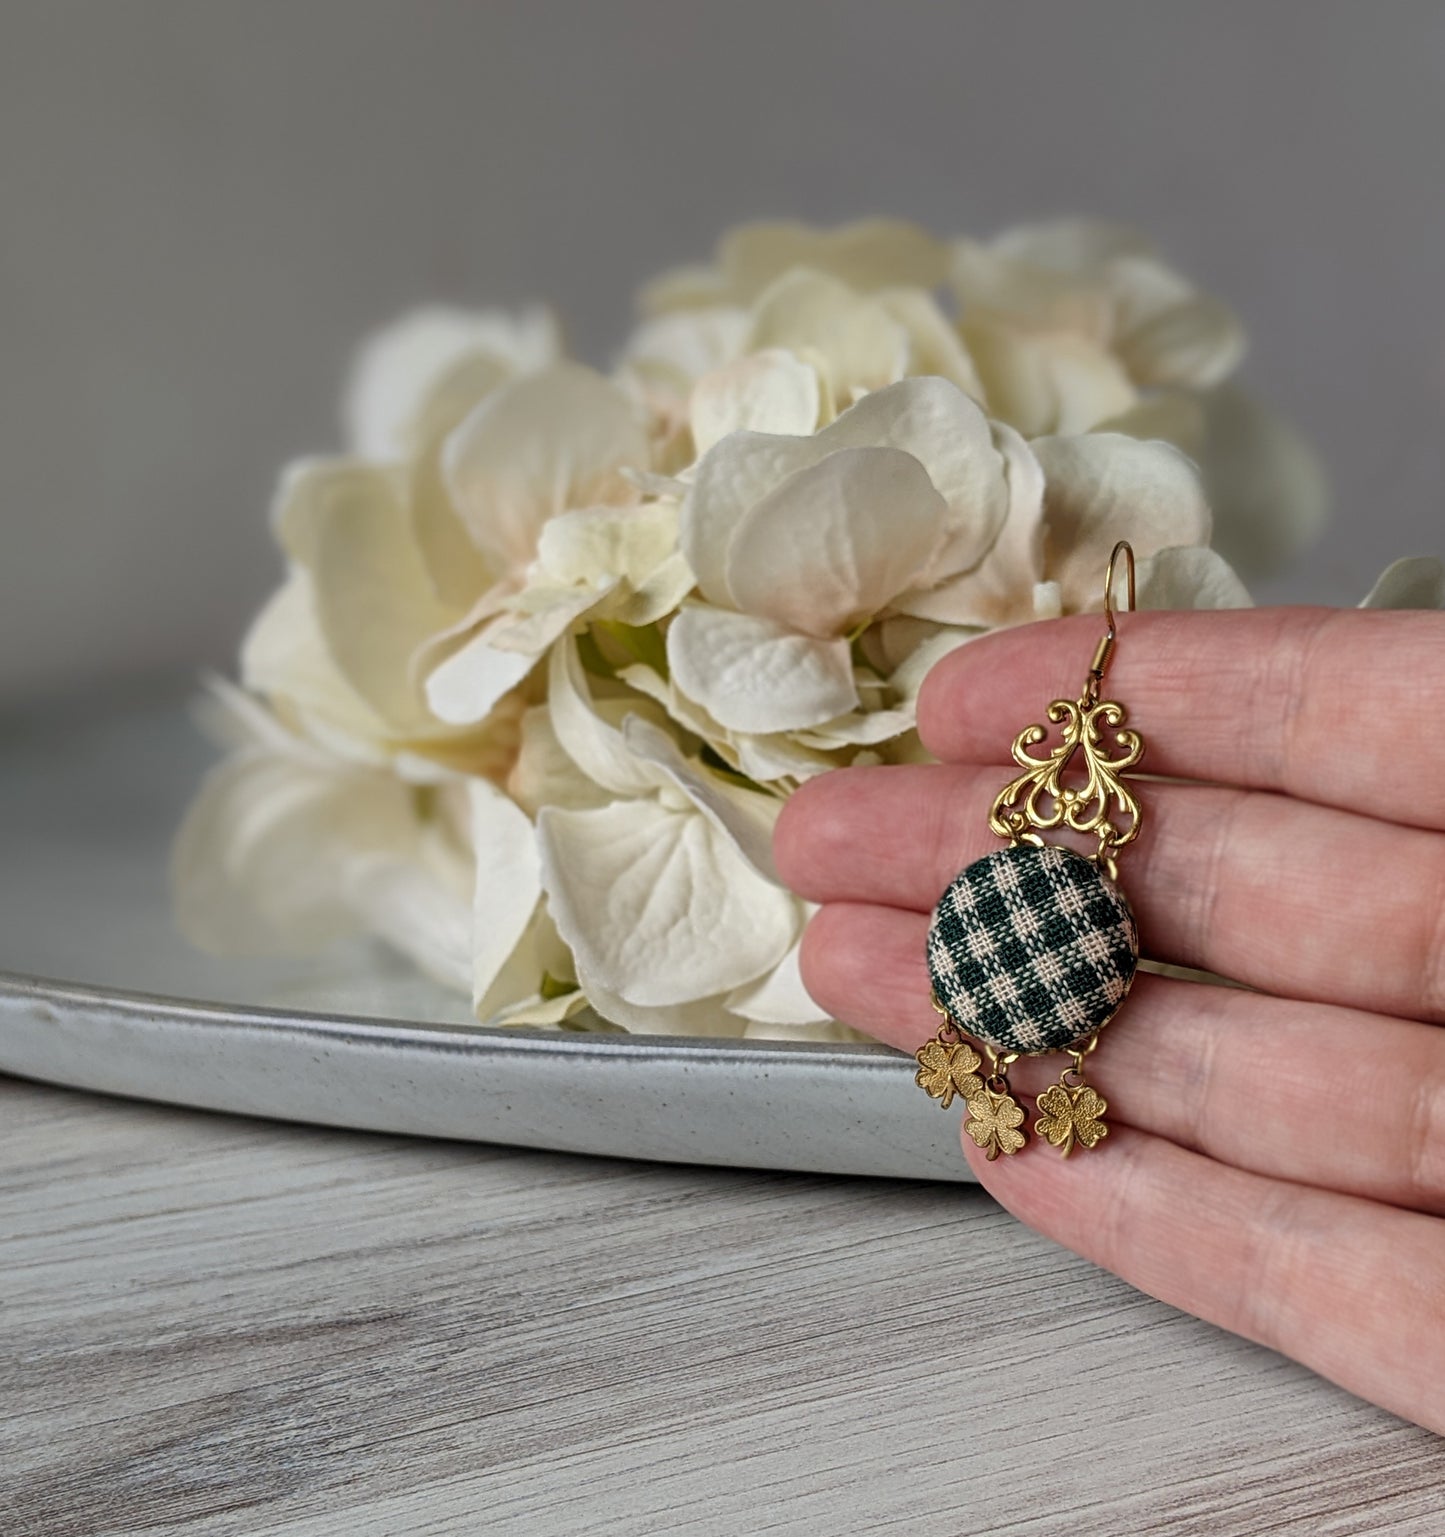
(1033, 948)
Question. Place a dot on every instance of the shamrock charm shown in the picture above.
(1071, 1114)
(948, 1068)
(993, 1122)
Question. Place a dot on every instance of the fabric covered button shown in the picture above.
(1031, 948)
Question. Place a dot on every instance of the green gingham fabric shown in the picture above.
(1031, 948)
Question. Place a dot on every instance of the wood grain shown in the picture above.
(232, 1327)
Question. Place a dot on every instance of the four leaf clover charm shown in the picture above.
(948, 1068)
(993, 1122)
(1069, 1114)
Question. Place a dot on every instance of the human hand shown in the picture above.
(1277, 1156)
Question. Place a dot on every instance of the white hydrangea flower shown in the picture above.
(793, 557)
(1077, 497)
(855, 304)
(380, 562)
(1074, 282)
(364, 640)
(859, 342)
(333, 648)
(417, 377)
(659, 875)
(1079, 326)
(1417, 581)
(1066, 327)
(554, 647)
(288, 846)
(867, 255)
(537, 475)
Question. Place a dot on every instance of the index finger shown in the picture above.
(1341, 706)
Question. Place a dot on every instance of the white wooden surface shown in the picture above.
(215, 1325)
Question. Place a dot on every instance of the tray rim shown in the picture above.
(522, 1040)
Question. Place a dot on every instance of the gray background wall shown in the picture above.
(204, 204)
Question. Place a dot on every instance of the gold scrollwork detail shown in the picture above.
(1098, 801)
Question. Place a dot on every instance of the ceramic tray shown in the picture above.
(97, 991)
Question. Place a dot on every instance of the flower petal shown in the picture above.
(1046, 381)
(1267, 489)
(404, 904)
(537, 446)
(544, 773)
(863, 728)
(762, 759)
(600, 544)
(374, 600)
(696, 286)
(779, 998)
(1071, 244)
(540, 615)
(769, 391)
(739, 470)
(538, 1010)
(1104, 487)
(466, 687)
(233, 719)
(1166, 331)
(262, 859)
(694, 1017)
(1017, 287)
(822, 1031)
(930, 419)
(1417, 581)
(746, 816)
(685, 345)
(755, 675)
(664, 358)
(654, 598)
(515, 996)
(594, 745)
(508, 886)
(836, 542)
(906, 681)
(856, 342)
(399, 368)
(1048, 600)
(866, 255)
(947, 432)
(779, 755)
(457, 568)
(1177, 416)
(490, 357)
(998, 589)
(657, 904)
(935, 348)
(1190, 576)
(285, 658)
(299, 497)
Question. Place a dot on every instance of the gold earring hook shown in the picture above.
(1128, 550)
(1111, 629)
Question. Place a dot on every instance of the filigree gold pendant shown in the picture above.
(1032, 949)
